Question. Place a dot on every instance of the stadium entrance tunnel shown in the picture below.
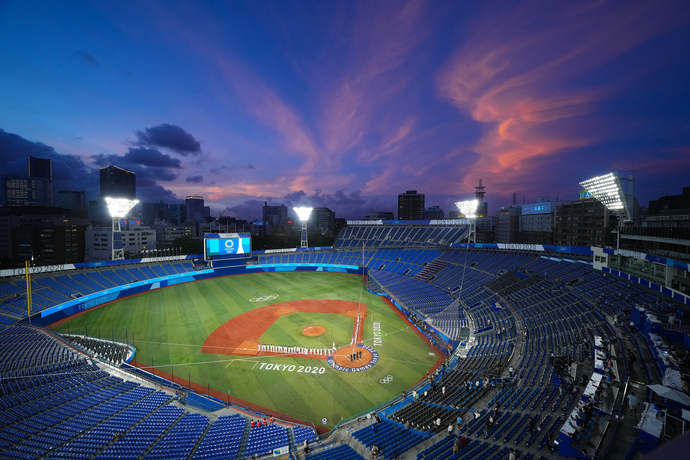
(241, 335)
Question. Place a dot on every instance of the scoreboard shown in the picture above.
(226, 244)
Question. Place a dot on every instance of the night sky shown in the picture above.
(346, 104)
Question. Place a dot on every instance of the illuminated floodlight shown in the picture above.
(607, 190)
(119, 207)
(468, 208)
(303, 212)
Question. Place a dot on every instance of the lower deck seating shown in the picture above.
(391, 438)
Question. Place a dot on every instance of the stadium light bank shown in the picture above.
(607, 189)
(303, 214)
(468, 208)
(118, 209)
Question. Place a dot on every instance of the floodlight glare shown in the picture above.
(303, 212)
(468, 208)
(606, 189)
(119, 207)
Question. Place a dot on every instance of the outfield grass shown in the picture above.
(168, 327)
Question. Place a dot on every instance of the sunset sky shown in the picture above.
(346, 104)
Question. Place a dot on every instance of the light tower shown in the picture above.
(468, 208)
(118, 209)
(303, 213)
(607, 189)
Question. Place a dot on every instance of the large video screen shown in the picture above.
(228, 246)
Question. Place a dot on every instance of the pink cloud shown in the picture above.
(516, 74)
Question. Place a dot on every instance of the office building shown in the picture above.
(411, 205)
(72, 200)
(35, 189)
(273, 216)
(507, 224)
(584, 222)
(51, 236)
(194, 208)
(434, 212)
(135, 240)
(322, 220)
(40, 167)
(118, 183)
(536, 222)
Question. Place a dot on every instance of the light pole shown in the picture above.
(303, 213)
(468, 208)
(118, 209)
(607, 189)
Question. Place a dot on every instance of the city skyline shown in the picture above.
(349, 104)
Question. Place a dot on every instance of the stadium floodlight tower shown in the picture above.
(303, 213)
(468, 208)
(118, 209)
(607, 189)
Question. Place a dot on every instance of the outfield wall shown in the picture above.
(96, 299)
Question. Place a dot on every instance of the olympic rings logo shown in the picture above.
(386, 380)
(264, 298)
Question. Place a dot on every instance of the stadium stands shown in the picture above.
(56, 403)
(49, 289)
(545, 339)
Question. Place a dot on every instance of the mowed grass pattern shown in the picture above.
(168, 327)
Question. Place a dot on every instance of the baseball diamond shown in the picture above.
(246, 337)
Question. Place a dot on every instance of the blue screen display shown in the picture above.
(228, 246)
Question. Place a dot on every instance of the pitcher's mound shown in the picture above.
(313, 331)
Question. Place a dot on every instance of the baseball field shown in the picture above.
(266, 339)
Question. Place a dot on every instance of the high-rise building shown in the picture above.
(434, 212)
(536, 222)
(118, 183)
(176, 214)
(40, 167)
(28, 191)
(151, 212)
(273, 216)
(411, 205)
(194, 208)
(134, 241)
(322, 220)
(35, 189)
(51, 236)
(71, 199)
(584, 222)
(507, 224)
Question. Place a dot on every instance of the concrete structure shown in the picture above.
(98, 241)
(507, 224)
(536, 222)
(434, 212)
(51, 236)
(71, 199)
(194, 208)
(118, 183)
(582, 223)
(274, 216)
(411, 205)
(322, 220)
